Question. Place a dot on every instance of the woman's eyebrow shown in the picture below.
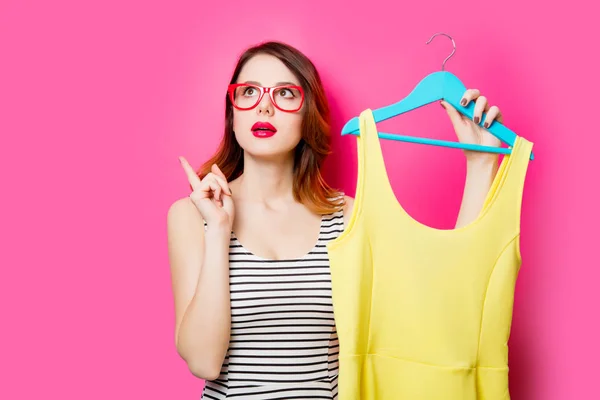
(286, 83)
(277, 84)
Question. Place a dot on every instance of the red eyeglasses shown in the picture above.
(245, 96)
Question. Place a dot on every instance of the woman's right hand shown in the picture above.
(211, 196)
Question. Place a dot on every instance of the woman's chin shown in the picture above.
(269, 151)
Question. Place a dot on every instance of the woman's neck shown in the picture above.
(268, 182)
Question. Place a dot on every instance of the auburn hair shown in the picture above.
(309, 187)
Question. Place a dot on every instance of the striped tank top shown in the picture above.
(283, 342)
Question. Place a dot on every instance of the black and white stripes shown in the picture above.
(283, 341)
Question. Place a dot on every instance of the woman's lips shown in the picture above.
(263, 130)
(263, 133)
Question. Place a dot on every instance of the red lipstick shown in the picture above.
(263, 130)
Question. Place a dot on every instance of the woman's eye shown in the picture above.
(286, 93)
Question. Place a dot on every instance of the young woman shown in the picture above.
(247, 251)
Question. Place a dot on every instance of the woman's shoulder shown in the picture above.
(183, 214)
(181, 207)
(348, 204)
(347, 209)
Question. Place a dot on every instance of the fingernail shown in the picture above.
(442, 104)
(486, 125)
(476, 119)
(180, 160)
(463, 102)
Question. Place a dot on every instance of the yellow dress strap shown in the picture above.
(373, 186)
(505, 196)
(515, 182)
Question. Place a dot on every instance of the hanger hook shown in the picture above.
(453, 44)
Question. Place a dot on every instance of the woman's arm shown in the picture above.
(199, 263)
(478, 181)
(481, 166)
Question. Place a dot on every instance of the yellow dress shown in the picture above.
(425, 313)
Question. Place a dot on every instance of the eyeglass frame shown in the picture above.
(233, 86)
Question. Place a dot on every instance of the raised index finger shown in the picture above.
(191, 175)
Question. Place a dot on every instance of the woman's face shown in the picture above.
(284, 132)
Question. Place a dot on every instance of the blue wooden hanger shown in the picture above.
(440, 85)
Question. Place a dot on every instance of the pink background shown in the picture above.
(97, 100)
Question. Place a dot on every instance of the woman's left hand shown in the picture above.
(471, 131)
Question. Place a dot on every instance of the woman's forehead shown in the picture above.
(266, 70)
